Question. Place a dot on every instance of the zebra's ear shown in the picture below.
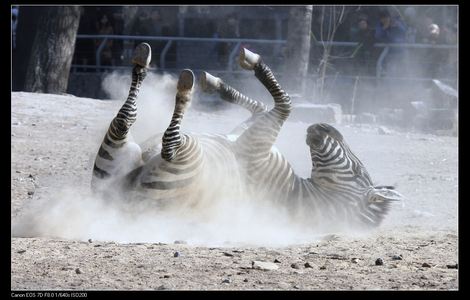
(383, 194)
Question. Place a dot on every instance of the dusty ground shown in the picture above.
(54, 139)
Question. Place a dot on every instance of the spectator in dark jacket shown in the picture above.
(390, 30)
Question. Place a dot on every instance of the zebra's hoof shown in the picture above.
(185, 81)
(248, 59)
(142, 55)
(209, 83)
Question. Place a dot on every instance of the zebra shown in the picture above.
(340, 188)
(182, 170)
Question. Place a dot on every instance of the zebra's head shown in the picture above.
(333, 162)
(342, 176)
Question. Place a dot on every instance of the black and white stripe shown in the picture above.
(340, 187)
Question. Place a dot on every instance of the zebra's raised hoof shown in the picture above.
(185, 81)
(142, 55)
(248, 60)
(209, 83)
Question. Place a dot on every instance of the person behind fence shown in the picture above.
(227, 29)
(105, 27)
(363, 64)
(390, 30)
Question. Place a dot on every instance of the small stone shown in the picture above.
(77, 270)
(379, 262)
(296, 287)
(323, 268)
(30, 193)
(245, 280)
(277, 261)
(262, 265)
(426, 265)
(21, 251)
(227, 254)
(18, 171)
(176, 254)
(162, 287)
(397, 257)
(456, 266)
(97, 245)
(295, 266)
(33, 124)
(140, 266)
(227, 280)
(355, 260)
(308, 265)
(180, 242)
(90, 241)
(166, 276)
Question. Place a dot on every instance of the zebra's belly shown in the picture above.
(209, 175)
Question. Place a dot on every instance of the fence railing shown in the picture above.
(170, 40)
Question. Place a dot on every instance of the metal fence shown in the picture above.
(274, 47)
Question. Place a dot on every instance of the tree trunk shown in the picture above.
(298, 47)
(25, 33)
(52, 52)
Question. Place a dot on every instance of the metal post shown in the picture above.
(98, 52)
(163, 54)
(231, 57)
(380, 62)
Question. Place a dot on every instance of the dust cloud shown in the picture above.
(232, 220)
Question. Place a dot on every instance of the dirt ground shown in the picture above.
(53, 142)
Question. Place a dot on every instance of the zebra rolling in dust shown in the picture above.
(175, 170)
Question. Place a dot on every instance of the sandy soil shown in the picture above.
(54, 139)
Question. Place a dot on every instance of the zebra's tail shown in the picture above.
(379, 201)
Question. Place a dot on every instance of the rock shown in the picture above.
(296, 287)
(366, 118)
(227, 280)
(245, 280)
(308, 112)
(78, 271)
(354, 260)
(323, 268)
(397, 257)
(308, 265)
(30, 193)
(384, 130)
(21, 251)
(166, 276)
(180, 242)
(162, 287)
(277, 261)
(379, 262)
(262, 265)
(426, 265)
(176, 254)
(295, 266)
(227, 254)
(90, 241)
(456, 266)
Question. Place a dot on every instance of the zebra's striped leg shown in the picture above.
(117, 155)
(210, 84)
(172, 138)
(264, 131)
(282, 104)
